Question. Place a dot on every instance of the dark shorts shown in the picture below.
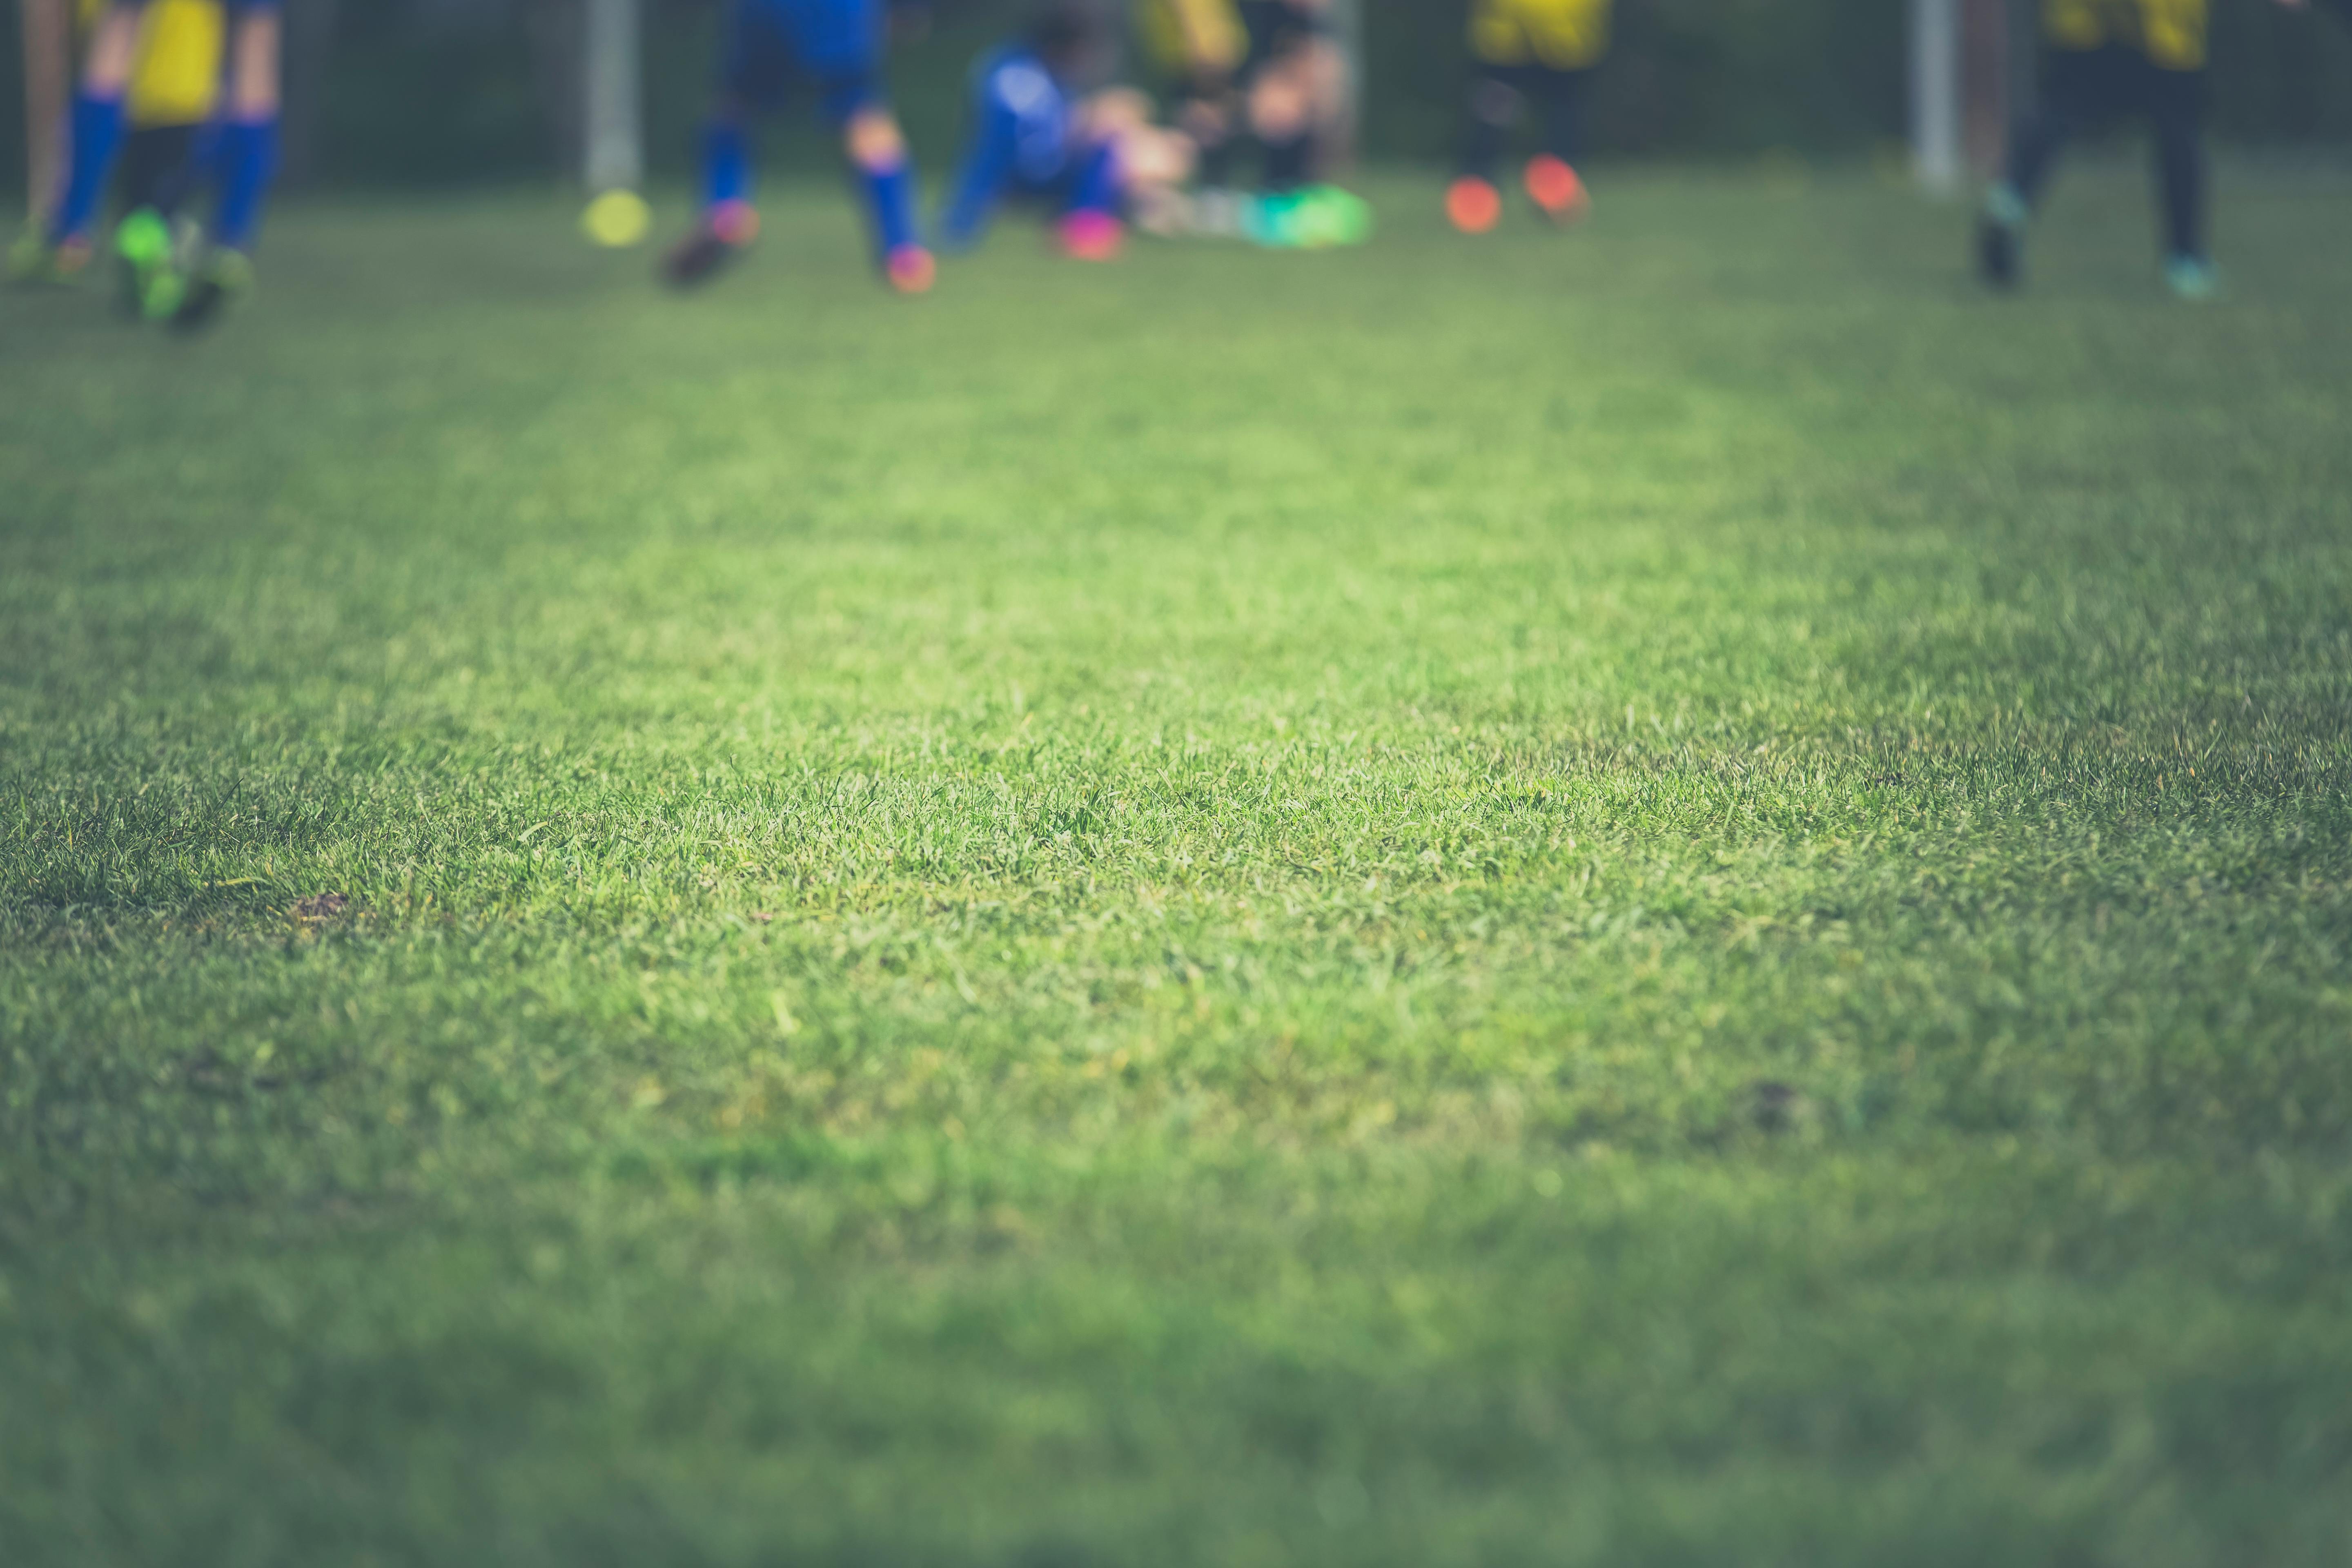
(2115, 80)
(1530, 79)
(1276, 29)
(767, 43)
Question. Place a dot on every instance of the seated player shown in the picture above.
(1154, 162)
(2104, 58)
(839, 43)
(243, 161)
(1199, 49)
(1522, 49)
(1028, 139)
(1269, 68)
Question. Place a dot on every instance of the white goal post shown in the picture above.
(1958, 91)
(612, 134)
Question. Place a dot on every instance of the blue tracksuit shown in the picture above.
(1023, 142)
(838, 42)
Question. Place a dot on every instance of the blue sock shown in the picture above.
(726, 163)
(96, 137)
(1097, 187)
(248, 158)
(890, 194)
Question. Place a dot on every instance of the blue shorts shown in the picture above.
(839, 42)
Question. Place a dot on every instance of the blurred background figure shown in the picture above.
(1542, 50)
(179, 92)
(1154, 160)
(1028, 140)
(171, 143)
(1193, 51)
(1262, 73)
(2104, 60)
(839, 43)
(1294, 83)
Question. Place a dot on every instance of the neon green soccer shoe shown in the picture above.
(148, 280)
(222, 280)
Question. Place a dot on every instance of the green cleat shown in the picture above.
(34, 263)
(1271, 220)
(2001, 237)
(150, 285)
(1316, 218)
(219, 282)
(2192, 277)
(1329, 215)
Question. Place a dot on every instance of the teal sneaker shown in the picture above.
(151, 286)
(2001, 237)
(2192, 277)
(222, 280)
(1271, 220)
(1312, 219)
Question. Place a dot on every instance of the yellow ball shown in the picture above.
(617, 220)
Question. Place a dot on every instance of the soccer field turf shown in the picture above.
(1671, 895)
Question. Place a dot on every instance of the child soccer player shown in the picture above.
(2105, 57)
(244, 158)
(1267, 67)
(1296, 84)
(1028, 140)
(838, 42)
(1521, 49)
(1200, 48)
(170, 141)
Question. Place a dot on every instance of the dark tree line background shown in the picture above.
(387, 92)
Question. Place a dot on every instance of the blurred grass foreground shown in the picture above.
(1676, 894)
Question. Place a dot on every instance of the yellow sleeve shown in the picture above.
(2173, 33)
(1565, 35)
(2073, 23)
(1183, 34)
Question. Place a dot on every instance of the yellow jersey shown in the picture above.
(2170, 33)
(177, 79)
(1564, 35)
(1185, 36)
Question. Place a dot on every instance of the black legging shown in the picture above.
(2079, 88)
(1495, 92)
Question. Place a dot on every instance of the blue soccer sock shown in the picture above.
(1098, 186)
(890, 196)
(248, 160)
(726, 163)
(97, 138)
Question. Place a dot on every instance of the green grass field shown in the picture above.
(1676, 895)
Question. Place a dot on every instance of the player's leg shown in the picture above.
(157, 164)
(2175, 102)
(1283, 95)
(157, 160)
(840, 43)
(1473, 203)
(753, 64)
(1550, 176)
(59, 245)
(2074, 86)
(1090, 228)
(245, 161)
(884, 174)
